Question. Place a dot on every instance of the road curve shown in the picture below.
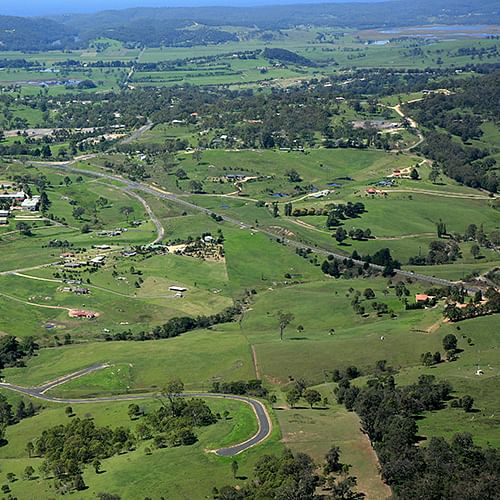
(261, 413)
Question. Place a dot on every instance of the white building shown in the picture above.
(31, 204)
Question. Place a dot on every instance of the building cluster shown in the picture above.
(12, 200)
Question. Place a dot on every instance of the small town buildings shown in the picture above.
(98, 260)
(3, 221)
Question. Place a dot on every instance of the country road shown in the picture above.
(160, 193)
(263, 418)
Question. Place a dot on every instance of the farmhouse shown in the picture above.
(79, 313)
(423, 297)
(373, 191)
(175, 288)
(31, 204)
(98, 260)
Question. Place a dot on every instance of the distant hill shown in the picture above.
(201, 25)
(22, 33)
(287, 56)
(361, 15)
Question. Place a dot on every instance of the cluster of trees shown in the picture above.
(440, 252)
(179, 325)
(10, 415)
(241, 387)
(296, 476)
(474, 308)
(388, 413)
(479, 236)
(14, 352)
(299, 390)
(466, 165)
(341, 212)
(382, 258)
(68, 448)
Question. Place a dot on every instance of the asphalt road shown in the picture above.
(146, 188)
(40, 392)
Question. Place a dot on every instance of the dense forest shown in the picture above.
(461, 114)
(438, 469)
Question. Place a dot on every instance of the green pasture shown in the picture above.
(190, 357)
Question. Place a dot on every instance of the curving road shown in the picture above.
(263, 418)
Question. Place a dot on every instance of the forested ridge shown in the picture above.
(173, 26)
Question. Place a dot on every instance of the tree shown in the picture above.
(44, 201)
(441, 229)
(414, 175)
(172, 391)
(69, 411)
(28, 472)
(181, 174)
(30, 448)
(133, 411)
(197, 156)
(293, 396)
(195, 186)
(78, 212)
(312, 396)
(470, 232)
(234, 468)
(475, 250)
(467, 403)
(450, 342)
(340, 235)
(67, 180)
(284, 319)
(369, 294)
(126, 211)
(332, 461)
(46, 151)
(96, 464)
(79, 483)
(293, 175)
(434, 174)
(24, 228)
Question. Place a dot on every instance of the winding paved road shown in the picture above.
(40, 392)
